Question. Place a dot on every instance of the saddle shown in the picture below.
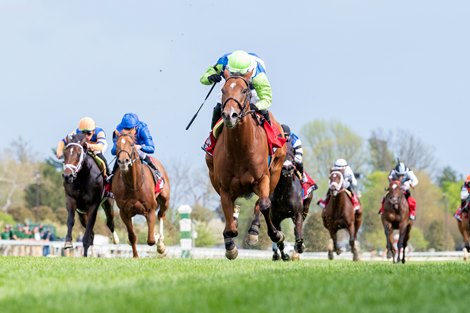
(157, 179)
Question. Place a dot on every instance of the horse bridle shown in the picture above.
(245, 102)
(75, 168)
(396, 185)
(133, 151)
(337, 186)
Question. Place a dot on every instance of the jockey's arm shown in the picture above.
(60, 149)
(413, 180)
(263, 90)
(145, 141)
(216, 69)
(101, 145)
(351, 177)
(464, 193)
(297, 146)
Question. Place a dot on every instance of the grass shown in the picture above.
(154, 285)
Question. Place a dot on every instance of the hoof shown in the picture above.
(330, 255)
(338, 251)
(161, 248)
(276, 257)
(355, 256)
(251, 239)
(115, 238)
(68, 245)
(295, 256)
(231, 254)
(389, 254)
(285, 257)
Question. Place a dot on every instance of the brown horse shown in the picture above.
(396, 216)
(340, 214)
(239, 165)
(134, 191)
(464, 227)
(84, 188)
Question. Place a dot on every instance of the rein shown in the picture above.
(75, 168)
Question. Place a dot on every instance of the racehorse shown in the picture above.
(84, 188)
(339, 214)
(396, 216)
(239, 166)
(134, 191)
(286, 201)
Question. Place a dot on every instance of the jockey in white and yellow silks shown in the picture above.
(241, 62)
(96, 140)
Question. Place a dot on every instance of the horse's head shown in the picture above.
(74, 154)
(288, 167)
(126, 153)
(236, 95)
(336, 182)
(395, 193)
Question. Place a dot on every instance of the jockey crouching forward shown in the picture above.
(408, 179)
(96, 143)
(143, 140)
(464, 199)
(239, 62)
(349, 182)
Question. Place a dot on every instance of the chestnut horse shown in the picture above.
(287, 202)
(396, 216)
(339, 214)
(84, 188)
(134, 191)
(239, 166)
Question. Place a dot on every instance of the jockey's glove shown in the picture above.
(214, 78)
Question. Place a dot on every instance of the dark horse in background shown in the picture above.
(286, 202)
(239, 165)
(464, 227)
(340, 214)
(134, 191)
(84, 189)
(396, 216)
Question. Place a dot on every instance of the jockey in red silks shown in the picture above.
(464, 199)
(349, 182)
(408, 179)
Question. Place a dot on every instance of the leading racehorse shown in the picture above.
(396, 216)
(84, 188)
(134, 191)
(340, 214)
(240, 164)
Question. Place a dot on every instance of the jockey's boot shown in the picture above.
(381, 210)
(153, 167)
(216, 114)
(266, 116)
(323, 203)
(458, 214)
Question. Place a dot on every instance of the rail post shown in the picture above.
(186, 240)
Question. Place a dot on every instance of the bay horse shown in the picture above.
(134, 190)
(287, 202)
(396, 216)
(339, 214)
(84, 189)
(239, 166)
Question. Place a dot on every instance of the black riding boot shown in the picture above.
(266, 116)
(216, 114)
(153, 167)
(101, 156)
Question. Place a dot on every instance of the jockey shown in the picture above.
(96, 142)
(241, 62)
(464, 199)
(143, 140)
(297, 146)
(349, 182)
(408, 179)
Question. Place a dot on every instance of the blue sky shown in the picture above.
(369, 64)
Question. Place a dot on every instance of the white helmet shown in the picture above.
(341, 163)
(401, 168)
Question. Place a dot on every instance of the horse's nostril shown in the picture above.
(234, 115)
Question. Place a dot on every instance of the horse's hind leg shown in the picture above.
(406, 237)
(163, 203)
(276, 256)
(107, 206)
(352, 242)
(130, 232)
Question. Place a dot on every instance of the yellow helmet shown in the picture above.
(86, 124)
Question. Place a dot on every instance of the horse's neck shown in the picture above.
(286, 184)
(242, 138)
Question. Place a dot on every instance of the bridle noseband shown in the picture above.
(246, 102)
(133, 151)
(75, 168)
(337, 186)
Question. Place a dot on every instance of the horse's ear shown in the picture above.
(132, 132)
(248, 75)
(116, 133)
(227, 73)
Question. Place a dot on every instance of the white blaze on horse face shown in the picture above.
(123, 141)
(394, 186)
(232, 85)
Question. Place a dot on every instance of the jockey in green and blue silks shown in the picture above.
(143, 139)
(242, 62)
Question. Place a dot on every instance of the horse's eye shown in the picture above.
(245, 90)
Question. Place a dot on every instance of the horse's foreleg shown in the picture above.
(150, 216)
(275, 248)
(230, 230)
(70, 223)
(406, 237)
(107, 206)
(253, 231)
(352, 242)
(89, 221)
(127, 220)
(298, 232)
(391, 251)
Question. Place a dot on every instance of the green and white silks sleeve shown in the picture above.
(217, 69)
(263, 91)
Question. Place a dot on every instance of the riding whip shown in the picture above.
(194, 117)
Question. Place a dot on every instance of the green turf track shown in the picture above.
(153, 285)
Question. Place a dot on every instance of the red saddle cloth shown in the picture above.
(160, 182)
(308, 186)
(275, 137)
